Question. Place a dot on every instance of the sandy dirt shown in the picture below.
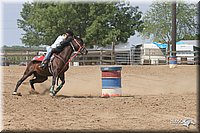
(153, 98)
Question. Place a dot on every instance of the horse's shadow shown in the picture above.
(64, 96)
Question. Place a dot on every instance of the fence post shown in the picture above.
(149, 57)
(101, 58)
(27, 55)
(113, 53)
(131, 63)
(83, 60)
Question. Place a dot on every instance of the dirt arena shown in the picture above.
(154, 98)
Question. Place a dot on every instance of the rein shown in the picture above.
(57, 56)
(71, 57)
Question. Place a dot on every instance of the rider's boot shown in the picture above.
(44, 64)
(46, 60)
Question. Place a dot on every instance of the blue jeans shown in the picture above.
(49, 52)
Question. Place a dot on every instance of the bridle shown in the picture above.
(80, 47)
(72, 46)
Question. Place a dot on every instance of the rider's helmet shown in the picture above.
(69, 32)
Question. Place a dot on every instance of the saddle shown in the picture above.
(38, 58)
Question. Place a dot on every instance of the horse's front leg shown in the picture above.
(52, 92)
(62, 78)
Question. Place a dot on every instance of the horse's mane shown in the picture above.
(75, 37)
(78, 38)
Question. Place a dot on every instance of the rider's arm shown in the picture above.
(66, 42)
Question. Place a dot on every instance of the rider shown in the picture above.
(57, 46)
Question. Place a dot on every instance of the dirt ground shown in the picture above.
(153, 98)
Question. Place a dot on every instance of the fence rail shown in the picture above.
(96, 57)
(108, 57)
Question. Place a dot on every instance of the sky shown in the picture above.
(10, 12)
(11, 33)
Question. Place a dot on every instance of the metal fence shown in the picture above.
(140, 56)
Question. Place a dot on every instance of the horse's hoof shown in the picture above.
(14, 93)
(18, 94)
(51, 94)
(33, 92)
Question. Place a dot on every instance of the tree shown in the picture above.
(97, 23)
(157, 22)
(113, 23)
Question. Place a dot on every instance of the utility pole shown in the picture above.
(174, 28)
(172, 58)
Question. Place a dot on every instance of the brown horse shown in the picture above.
(57, 67)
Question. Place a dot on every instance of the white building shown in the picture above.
(186, 51)
(155, 53)
(148, 53)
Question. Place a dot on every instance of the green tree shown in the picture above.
(96, 23)
(113, 23)
(157, 22)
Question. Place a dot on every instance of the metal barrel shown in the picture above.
(172, 61)
(111, 81)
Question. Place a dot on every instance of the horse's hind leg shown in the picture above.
(25, 76)
(62, 78)
(28, 72)
(38, 79)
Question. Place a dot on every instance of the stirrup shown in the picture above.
(43, 65)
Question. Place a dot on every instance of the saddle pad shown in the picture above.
(38, 58)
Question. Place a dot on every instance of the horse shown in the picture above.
(56, 67)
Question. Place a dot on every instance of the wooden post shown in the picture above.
(113, 53)
(130, 57)
(149, 57)
(27, 55)
(83, 60)
(101, 58)
(168, 52)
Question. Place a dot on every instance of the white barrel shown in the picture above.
(111, 92)
(76, 63)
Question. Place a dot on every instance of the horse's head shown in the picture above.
(78, 45)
